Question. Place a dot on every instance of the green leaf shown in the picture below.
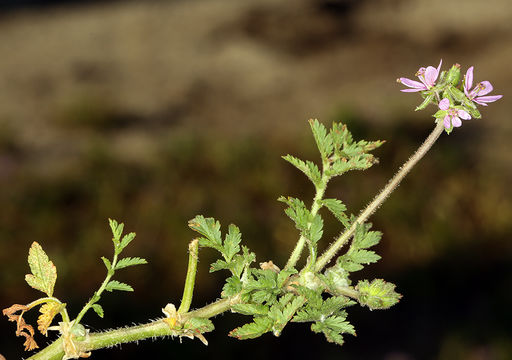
(231, 242)
(210, 229)
(116, 285)
(363, 238)
(107, 263)
(117, 231)
(250, 309)
(364, 257)
(130, 261)
(258, 327)
(126, 240)
(283, 276)
(297, 211)
(322, 138)
(98, 310)
(315, 231)
(219, 265)
(232, 286)
(200, 325)
(44, 272)
(309, 168)
(337, 208)
(378, 294)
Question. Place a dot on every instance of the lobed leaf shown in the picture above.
(323, 139)
(98, 310)
(130, 261)
(116, 285)
(250, 309)
(44, 272)
(210, 229)
(48, 312)
(125, 241)
(309, 168)
(231, 242)
(258, 327)
(337, 208)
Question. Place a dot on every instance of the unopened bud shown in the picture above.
(453, 76)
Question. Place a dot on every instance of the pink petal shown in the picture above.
(488, 99)
(469, 80)
(479, 103)
(456, 121)
(446, 122)
(486, 88)
(411, 90)
(430, 76)
(463, 115)
(439, 66)
(412, 84)
(444, 104)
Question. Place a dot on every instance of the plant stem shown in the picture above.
(188, 291)
(152, 329)
(97, 294)
(379, 199)
(320, 191)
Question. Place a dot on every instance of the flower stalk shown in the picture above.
(188, 291)
(327, 256)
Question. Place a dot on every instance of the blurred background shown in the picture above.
(151, 112)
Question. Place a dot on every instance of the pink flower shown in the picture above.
(482, 88)
(427, 77)
(453, 115)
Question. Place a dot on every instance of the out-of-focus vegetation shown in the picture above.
(151, 114)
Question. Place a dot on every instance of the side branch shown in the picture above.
(379, 199)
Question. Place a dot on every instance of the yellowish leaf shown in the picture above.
(48, 312)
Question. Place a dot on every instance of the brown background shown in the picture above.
(151, 112)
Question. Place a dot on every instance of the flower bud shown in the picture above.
(453, 76)
(456, 93)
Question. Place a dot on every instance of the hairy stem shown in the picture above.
(157, 328)
(379, 199)
(320, 191)
(188, 291)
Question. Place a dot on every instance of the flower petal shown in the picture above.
(456, 121)
(439, 66)
(464, 115)
(430, 76)
(485, 88)
(488, 99)
(446, 122)
(412, 83)
(444, 104)
(469, 80)
(411, 90)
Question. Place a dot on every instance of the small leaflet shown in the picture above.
(44, 272)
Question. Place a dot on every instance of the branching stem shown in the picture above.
(379, 199)
(320, 191)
